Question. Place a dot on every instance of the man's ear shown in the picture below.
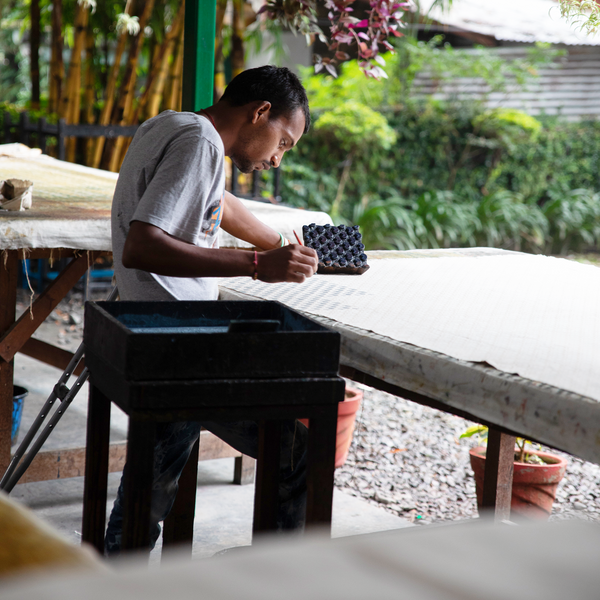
(260, 110)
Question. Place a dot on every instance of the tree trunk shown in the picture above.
(123, 110)
(109, 96)
(57, 67)
(34, 58)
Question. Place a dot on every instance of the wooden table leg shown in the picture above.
(321, 467)
(179, 525)
(96, 469)
(243, 471)
(497, 482)
(137, 484)
(266, 489)
(9, 264)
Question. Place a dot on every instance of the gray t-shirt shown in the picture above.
(172, 177)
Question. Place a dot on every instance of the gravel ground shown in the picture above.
(409, 460)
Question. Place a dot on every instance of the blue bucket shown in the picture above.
(19, 394)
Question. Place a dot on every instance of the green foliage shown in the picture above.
(388, 224)
(583, 14)
(443, 62)
(305, 187)
(458, 174)
(445, 183)
(574, 220)
(353, 125)
(521, 453)
(508, 125)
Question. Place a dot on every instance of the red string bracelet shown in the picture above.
(255, 263)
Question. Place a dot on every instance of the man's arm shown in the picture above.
(242, 224)
(149, 248)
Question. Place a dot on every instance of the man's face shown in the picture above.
(262, 142)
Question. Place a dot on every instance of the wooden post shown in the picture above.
(24, 128)
(60, 135)
(497, 480)
(9, 265)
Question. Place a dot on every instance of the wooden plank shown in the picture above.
(212, 447)
(8, 300)
(70, 462)
(16, 336)
(56, 253)
(50, 355)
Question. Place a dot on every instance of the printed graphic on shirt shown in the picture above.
(211, 226)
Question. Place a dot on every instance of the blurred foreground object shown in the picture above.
(474, 560)
(28, 544)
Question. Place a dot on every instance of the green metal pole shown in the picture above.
(199, 54)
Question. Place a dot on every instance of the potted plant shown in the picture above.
(535, 478)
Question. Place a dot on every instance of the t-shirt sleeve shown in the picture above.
(183, 190)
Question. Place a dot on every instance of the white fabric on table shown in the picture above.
(71, 207)
(532, 315)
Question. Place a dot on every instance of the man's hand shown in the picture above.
(290, 263)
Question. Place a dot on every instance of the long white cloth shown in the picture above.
(535, 316)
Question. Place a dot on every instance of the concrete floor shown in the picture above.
(223, 510)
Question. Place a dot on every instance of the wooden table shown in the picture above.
(70, 218)
(414, 347)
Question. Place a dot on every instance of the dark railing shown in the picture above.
(25, 128)
(25, 131)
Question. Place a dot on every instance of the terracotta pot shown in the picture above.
(534, 486)
(345, 426)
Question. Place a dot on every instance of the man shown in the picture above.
(168, 206)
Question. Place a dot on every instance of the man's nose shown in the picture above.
(275, 160)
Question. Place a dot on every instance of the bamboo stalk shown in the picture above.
(149, 103)
(57, 67)
(123, 108)
(71, 100)
(172, 93)
(157, 86)
(111, 86)
(89, 92)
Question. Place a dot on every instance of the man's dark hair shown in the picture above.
(277, 85)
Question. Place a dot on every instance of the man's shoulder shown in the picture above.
(171, 124)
